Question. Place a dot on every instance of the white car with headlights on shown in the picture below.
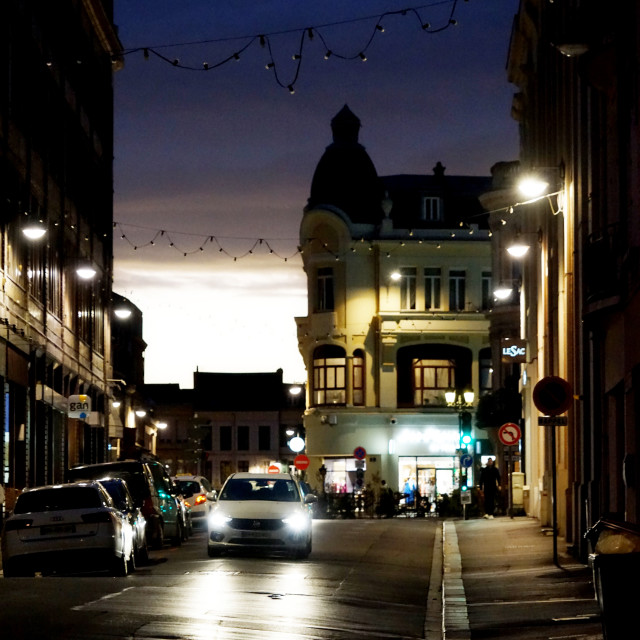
(261, 511)
(66, 527)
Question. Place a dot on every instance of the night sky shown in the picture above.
(219, 162)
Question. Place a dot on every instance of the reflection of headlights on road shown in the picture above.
(217, 520)
(296, 522)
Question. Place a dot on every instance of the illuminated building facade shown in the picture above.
(56, 154)
(399, 288)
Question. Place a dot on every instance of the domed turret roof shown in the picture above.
(345, 176)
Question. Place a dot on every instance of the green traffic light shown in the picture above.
(466, 439)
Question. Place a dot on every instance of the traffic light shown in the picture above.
(465, 429)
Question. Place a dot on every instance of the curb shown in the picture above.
(434, 621)
(455, 617)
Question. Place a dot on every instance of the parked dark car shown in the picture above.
(152, 490)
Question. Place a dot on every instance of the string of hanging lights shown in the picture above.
(264, 246)
(307, 36)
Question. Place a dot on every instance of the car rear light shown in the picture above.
(96, 517)
(201, 499)
(16, 525)
(187, 504)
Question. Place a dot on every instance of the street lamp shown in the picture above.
(458, 400)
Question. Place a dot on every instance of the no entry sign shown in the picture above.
(301, 462)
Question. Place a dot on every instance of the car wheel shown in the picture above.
(179, 537)
(120, 567)
(16, 570)
(213, 552)
(158, 537)
(143, 554)
(131, 565)
(303, 553)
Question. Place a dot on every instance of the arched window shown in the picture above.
(329, 375)
(426, 371)
(357, 365)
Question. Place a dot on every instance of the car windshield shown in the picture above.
(58, 500)
(271, 490)
(188, 487)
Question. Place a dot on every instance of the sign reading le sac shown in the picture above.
(79, 406)
(514, 350)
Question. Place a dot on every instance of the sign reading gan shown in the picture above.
(79, 406)
(514, 350)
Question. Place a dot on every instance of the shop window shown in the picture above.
(358, 377)
(432, 284)
(329, 376)
(325, 297)
(431, 378)
(243, 466)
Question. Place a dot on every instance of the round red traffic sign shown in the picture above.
(301, 462)
(359, 453)
(552, 395)
(273, 468)
(509, 434)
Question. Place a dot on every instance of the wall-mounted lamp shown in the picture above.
(34, 230)
(161, 425)
(503, 292)
(295, 390)
(395, 276)
(86, 272)
(532, 186)
(518, 249)
(116, 403)
(141, 413)
(122, 312)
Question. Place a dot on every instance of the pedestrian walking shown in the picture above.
(489, 485)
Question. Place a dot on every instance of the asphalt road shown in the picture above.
(364, 579)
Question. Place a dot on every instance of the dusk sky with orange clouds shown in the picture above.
(223, 110)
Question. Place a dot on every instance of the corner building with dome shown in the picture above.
(399, 299)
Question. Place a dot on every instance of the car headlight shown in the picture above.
(296, 522)
(218, 520)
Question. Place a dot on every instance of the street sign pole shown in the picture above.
(554, 502)
(553, 396)
(510, 490)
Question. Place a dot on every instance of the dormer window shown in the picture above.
(431, 209)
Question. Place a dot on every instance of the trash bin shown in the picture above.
(615, 563)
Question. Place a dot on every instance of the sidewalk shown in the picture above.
(500, 582)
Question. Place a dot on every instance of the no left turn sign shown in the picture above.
(509, 434)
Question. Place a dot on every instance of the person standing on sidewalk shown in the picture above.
(489, 485)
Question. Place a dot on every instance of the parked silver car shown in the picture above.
(66, 528)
